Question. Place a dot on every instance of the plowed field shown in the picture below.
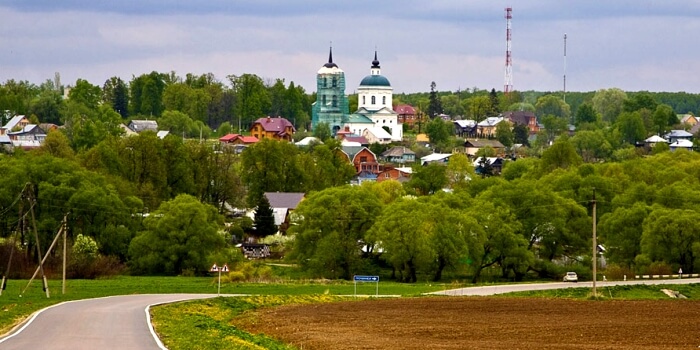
(485, 323)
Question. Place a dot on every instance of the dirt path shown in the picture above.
(486, 323)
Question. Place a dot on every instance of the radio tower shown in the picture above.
(508, 86)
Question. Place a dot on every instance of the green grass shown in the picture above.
(638, 292)
(13, 308)
(206, 324)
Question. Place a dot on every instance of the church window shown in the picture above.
(324, 100)
(335, 101)
(325, 82)
(374, 100)
(335, 82)
(384, 100)
(363, 100)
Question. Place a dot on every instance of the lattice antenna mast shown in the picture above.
(564, 67)
(508, 85)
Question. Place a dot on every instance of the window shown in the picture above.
(335, 82)
(384, 100)
(324, 100)
(335, 101)
(387, 175)
(374, 101)
(325, 83)
(363, 100)
(363, 159)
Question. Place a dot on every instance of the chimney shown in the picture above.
(268, 118)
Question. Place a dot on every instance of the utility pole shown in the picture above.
(595, 246)
(65, 250)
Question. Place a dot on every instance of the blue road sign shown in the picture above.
(360, 278)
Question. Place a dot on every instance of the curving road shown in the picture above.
(509, 288)
(119, 322)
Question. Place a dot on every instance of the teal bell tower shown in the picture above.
(331, 106)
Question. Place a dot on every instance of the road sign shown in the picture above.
(360, 278)
(214, 268)
(224, 268)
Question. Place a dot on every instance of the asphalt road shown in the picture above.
(509, 288)
(119, 322)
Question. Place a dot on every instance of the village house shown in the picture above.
(277, 128)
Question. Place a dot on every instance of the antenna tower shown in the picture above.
(564, 67)
(508, 86)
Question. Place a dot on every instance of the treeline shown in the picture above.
(535, 220)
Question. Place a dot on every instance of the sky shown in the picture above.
(633, 45)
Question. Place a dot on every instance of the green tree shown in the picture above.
(479, 107)
(672, 236)
(459, 172)
(272, 166)
(179, 236)
(434, 106)
(586, 114)
(592, 146)
(439, 132)
(561, 154)
(264, 218)
(429, 179)
(608, 103)
(631, 127)
(495, 104)
(329, 238)
(85, 93)
(553, 127)
(252, 98)
(663, 118)
(322, 131)
(504, 134)
(621, 230)
(115, 93)
(552, 105)
(639, 101)
(521, 134)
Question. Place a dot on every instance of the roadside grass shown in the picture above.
(628, 292)
(14, 309)
(206, 324)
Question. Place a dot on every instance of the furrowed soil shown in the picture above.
(483, 323)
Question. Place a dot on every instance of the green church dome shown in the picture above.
(375, 80)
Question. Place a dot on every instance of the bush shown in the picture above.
(659, 268)
(616, 272)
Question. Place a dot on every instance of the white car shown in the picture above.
(571, 277)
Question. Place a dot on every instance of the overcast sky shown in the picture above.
(629, 44)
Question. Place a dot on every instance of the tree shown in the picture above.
(85, 93)
(272, 166)
(521, 134)
(663, 118)
(147, 94)
(322, 131)
(561, 154)
(459, 171)
(586, 114)
(622, 232)
(56, 144)
(439, 132)
(264, 218)
(504, 133)
(553, 127)
(115, 93)
(479, 107)
(252, 98)
(495, 104)
(329, 239)
(672, 236)
(429, 179)
(591, 145)
(552, 105)
(179, 236)
(608, 103)
(631, 127)
(638, 101)
(434, 106)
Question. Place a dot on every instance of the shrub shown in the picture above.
(616, 272)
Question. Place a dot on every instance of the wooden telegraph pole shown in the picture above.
(595, 246)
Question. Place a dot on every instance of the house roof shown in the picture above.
(362, 149)
(422, 138)
(248, 139)
(464, 123)
(358, 119)
(655, 139)
(405, 109)
(687, 117)
(13, 122)
(379, 133)
(682, 143)
(228, 137)
(288, 200)
(519, 117)
(142, 125)
(398, 151)
(277, 124)
(678, 133)
(490, 121)
(359, 139)
(27, 129)
(308, 140)
(162, 134)
(435, 157)
(483, 143)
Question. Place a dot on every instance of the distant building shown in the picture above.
(276, 128)
(139, 126)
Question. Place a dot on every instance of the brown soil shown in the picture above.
(484, 323)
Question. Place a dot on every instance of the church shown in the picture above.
(375, 118)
